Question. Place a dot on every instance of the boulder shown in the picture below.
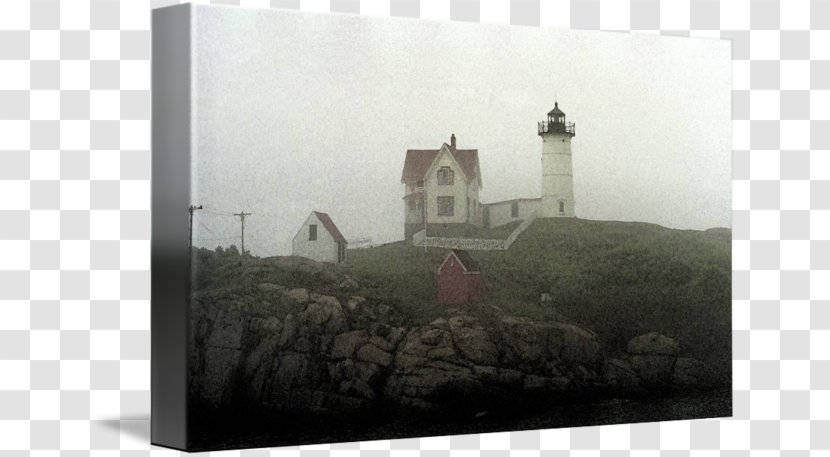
(509, 376)
(367, 372)
(346, 344)
(395, 335)
(619, 373)
(289, 330)
(654, 369)
(327, 300)
(353, 302)
(653, 357)
(269, 287)
(270, 325)
(343, 370)
(439, 323)
(292, 370)
(324, 314)
(534, 382)
(296, 295)
(356, 388)
(348, 283)
(475, 345)
(523, 341)
(219, 367)
(693, 373)
(227, 330)
(373, 354)
(382, 343)
(487, 374)
(576, 344)
(426, 379)
(653, 344)
(304, 345)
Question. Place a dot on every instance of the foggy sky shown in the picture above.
(299, 111)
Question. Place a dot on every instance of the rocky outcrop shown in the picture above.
(619, 373)
(335, 353)
(692, 373)
(653, 357)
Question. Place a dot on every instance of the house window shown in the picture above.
(312, 232)
(446, 206)
(514, 209)
(412, 205)
(419, 184)
(561, 207)
(445, 176)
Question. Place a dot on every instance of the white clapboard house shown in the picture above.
(319, 239)
(441, 185)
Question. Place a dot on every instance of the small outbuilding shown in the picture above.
(458, 279)
(319, 239)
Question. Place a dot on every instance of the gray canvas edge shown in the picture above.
(170, 256)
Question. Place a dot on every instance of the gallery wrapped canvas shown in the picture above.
(375, 228)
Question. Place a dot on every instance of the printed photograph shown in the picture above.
(405, 228)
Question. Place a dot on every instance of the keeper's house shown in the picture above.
(441, 186)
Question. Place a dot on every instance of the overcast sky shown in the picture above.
(300, 111)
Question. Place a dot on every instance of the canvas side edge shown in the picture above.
(170, 256)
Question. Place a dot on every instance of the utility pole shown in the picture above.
(190, 210)
(424, 190)
(242, 215)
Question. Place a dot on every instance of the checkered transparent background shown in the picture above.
(75, 225)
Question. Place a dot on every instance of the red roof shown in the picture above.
(329, 225)
(418, 162)
(464, 259)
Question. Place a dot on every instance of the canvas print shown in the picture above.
(401, 228)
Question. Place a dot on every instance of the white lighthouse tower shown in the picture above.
(557, 166)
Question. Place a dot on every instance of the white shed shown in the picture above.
(319, 239)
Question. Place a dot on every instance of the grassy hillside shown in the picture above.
(620, 279)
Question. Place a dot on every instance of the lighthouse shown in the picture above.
(557, 166)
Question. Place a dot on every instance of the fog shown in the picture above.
(297, 112)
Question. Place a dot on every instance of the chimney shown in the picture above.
(452, 141)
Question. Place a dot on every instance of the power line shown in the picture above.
(216, 239)
(206, 228)
(217, 213)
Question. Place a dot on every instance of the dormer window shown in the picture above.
(446, 176)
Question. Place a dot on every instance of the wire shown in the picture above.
(206, 228)
(216, 213)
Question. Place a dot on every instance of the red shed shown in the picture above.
(458, 278)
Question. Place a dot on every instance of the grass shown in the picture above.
(471, 231)
(619, 279)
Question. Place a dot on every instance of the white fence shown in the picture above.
(472, 244)
(468, 244)
(521, 228)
